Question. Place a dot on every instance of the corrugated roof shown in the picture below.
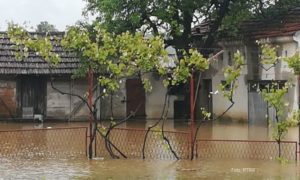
(34, 64)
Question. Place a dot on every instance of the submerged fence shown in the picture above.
(130, 142)
(73, 142)
(43, 143)
(246, 149)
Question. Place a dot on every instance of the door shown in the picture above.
(135, 101)
(259, 112)
(33, 95)
(257, 109)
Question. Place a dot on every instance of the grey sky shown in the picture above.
(57, 12)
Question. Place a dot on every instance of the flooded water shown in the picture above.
(215, 130)
(147, 169)
(204, 168)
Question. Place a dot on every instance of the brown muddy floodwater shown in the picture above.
(206, 168)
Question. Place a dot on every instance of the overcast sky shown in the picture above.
(57, 12)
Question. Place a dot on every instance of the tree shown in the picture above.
(44, 26)
(174, 19)
(274, 96)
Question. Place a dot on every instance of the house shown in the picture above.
(26, 91)
(25, 88)
(282, 31)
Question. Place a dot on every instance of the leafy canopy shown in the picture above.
(174, 19)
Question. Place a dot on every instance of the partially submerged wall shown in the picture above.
(155, 100)
(239, 110)
(8, 105)
(253, 71)
(64, 106)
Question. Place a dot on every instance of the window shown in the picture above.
(256, 86)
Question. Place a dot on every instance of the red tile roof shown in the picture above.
(284, 25)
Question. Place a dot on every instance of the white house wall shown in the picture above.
(282, 72)
(58, 105)
(239, 111)
(79, 87)
(118, 104)
(285, 73)
(155, 100)
(251, 71)
(61, 106)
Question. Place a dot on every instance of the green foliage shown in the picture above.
(274, 97)
(268, 53)
(282, 160)
(206, 115)
(25, 43)
(270, 9)
(294, 118)
(280, 130)
(173, 19)
(111, 57)
(192, 61)
(196, 61)
(231, 74)
(157, 132)
(147, 85)
(236, 15)
(294, 62)
(103, 130)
